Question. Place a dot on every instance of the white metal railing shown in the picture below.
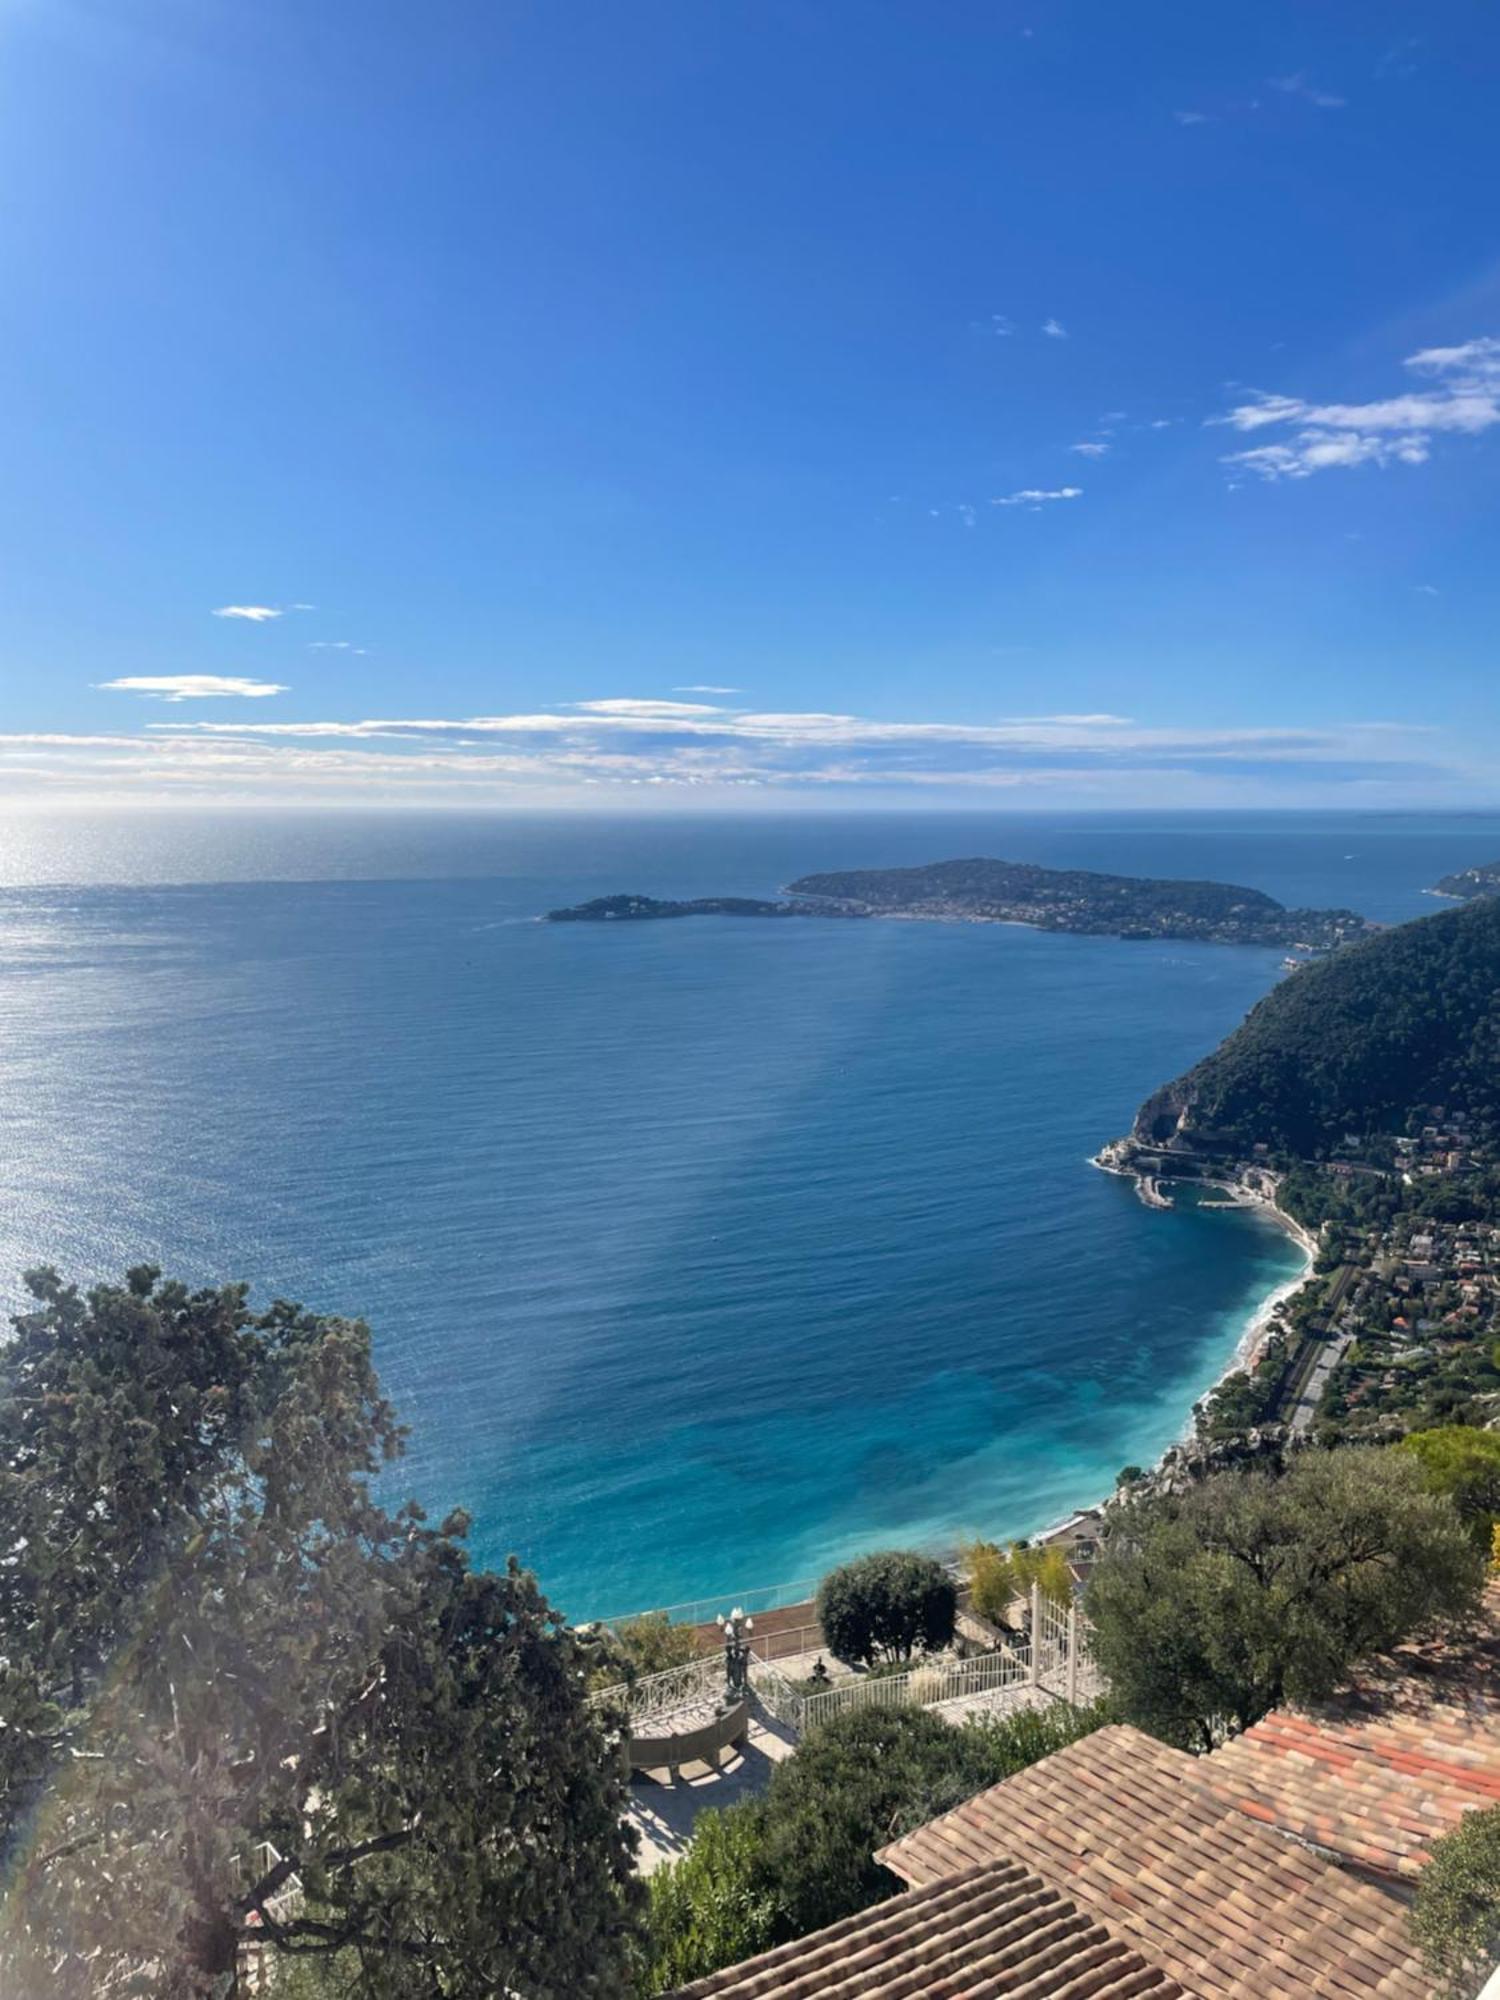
(788, 1643)
(777, 1695)
(704, 1610)
(923, 1686)
(700, 1684)
(1054, 1657)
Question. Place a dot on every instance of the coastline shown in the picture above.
(1246, 1350)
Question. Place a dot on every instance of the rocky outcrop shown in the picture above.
(1269, 1446)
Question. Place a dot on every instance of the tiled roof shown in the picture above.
(1130, 1831)
(986, 1932)
(1378, 1773)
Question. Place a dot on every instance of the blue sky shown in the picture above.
(1017, 403)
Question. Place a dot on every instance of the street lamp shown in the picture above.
(736, 1629)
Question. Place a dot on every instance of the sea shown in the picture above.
(698, 1255)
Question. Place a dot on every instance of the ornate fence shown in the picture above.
(928, 1685)
(777, 1696)
(1053, 1659)
(700, 1684)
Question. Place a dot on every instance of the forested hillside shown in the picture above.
(1354, 1043)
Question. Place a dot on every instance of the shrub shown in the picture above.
(649, 1644)
(1457, 1913)
(887, 1604)
(714, 1906)
(997, 1577)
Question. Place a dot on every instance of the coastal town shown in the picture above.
(1400, 1311)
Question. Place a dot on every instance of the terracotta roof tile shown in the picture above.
(998, 1932)
(1132, 1833)
(1382, 1770)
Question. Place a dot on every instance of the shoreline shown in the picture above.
(1246, 1350)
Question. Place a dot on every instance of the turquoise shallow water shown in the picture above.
(698, 1254)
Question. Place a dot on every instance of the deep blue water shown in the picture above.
(698, 1254)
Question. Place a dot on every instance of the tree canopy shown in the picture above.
(1457, 1914)
(1211, 1608)
(242, 1702)
(1464, 1463)
(886, 1605)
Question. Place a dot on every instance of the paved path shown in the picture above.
(663, 1813)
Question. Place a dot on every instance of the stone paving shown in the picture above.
(663, 1813)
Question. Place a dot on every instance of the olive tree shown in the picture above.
(1211, 1607)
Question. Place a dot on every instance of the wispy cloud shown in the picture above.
(334, 646)
(1463, 397)
(1090, 448)
(255, 614)
(628, 743)
(1036, 496)
(705, 687)
(1298, 86)
(1054, 329)
(191, 687)
(1192, 117)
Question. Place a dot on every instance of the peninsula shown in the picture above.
(647, 909)
(1466, 883)
(1055, 899)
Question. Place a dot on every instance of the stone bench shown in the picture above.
(704, 1743)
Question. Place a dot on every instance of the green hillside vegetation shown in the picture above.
(1408, 1018)
(1481, 881)
(1079, 899)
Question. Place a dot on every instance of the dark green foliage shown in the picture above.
(1212, 1608)
(802, 1856)
(1457, 1914)
(1079, 899)
(1464, 1463)
(1409, 1017)
(889, 1604)
(1481, 880)
(716, 1905)
(217, 1645)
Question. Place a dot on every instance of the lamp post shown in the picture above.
(736, 1629)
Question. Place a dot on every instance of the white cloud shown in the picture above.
(1298, 86)
(1192, 117)
(1054, 329)
(335, 646)
(1090, 448)
(626, 742)
(1001, 327)
(705, 687)
(1474, 361)
(1464, 399)
(257, 614)
(191, 687)
(1033, 496)
(651, 711)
